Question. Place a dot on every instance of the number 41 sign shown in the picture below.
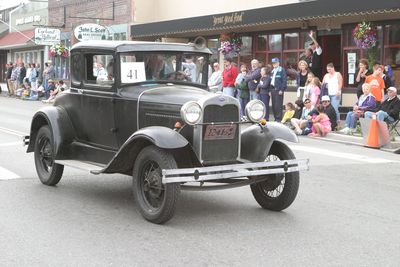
(132, 72)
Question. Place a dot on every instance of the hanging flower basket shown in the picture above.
(365, 35)
(230, 43)
(58, 50)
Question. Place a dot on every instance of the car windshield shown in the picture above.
(164, 67)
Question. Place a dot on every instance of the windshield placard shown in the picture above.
(132, 72)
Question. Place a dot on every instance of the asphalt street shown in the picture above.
(346, 214)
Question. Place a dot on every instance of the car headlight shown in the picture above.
(255, 110)
(191, 112)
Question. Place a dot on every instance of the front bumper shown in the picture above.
(233, 171)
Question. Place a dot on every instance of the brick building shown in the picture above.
(66, 15)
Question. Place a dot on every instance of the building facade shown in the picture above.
(282, 31)
(16, 42)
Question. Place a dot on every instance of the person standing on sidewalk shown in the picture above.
(278, 86)
(316, 59)
(377, 83)
(228, 77)
(10, 84)
(334, 80)
(252, 78)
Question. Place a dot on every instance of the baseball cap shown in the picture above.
(325, 98)
(391, 88)
(275, 60)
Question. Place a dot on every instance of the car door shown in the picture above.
(93, 112)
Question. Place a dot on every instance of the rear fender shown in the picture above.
(60, 125)
(256, 140)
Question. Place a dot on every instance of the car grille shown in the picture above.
(217, 151)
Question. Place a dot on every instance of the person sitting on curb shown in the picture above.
(328, 110)
(365, 102)
(321, 124)
(389, 109)
(301, 123)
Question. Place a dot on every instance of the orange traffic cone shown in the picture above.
(373, 138)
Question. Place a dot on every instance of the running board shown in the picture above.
(82, 165)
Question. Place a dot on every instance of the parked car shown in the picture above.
(143, 109)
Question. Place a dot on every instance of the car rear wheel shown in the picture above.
(49, 173)
(280, 190)
(156, 201)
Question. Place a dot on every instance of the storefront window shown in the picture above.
(275, 42)
(291, 41)
(261, 42)
(212, 44)
(393, 34)
(245, 54)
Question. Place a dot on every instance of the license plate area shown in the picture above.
(220, 132)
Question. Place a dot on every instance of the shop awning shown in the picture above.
(305, 10)
(14, 40)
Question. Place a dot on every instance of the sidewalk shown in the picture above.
(393, 146)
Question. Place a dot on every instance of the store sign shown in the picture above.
(27, 20)
(46, 36)
(228, 19)
(86, 32)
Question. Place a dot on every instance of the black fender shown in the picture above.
(256, 140)
(161, 137)
(60, 125)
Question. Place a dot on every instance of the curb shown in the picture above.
(393, 147)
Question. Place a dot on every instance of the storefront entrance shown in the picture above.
(331, 51)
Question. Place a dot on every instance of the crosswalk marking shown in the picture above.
(7, 175)
(11, 144)
(350, 156)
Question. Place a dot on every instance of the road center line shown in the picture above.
(330, 153)
(7, 175)
(13, 132)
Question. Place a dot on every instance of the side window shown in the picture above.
(76, 69)
(99, 69)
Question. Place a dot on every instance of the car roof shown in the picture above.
(125, 46)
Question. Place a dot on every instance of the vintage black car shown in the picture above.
(143, 109)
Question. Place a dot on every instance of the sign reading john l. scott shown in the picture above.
(90, 31)
(47, 36)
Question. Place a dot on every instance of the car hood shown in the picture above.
(165, 94)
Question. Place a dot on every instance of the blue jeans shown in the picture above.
(335, 102)
(265, 99)
(228, 91)
(351, 119)
(243, 102)
(380, 116)
(254, 95)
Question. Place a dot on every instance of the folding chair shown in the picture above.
(392, 127)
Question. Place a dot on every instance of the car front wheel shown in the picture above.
(156, 201)
(280, 190)
(49, 172)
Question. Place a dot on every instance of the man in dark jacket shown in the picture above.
(389, 109)
(22, 74)
(8, 77)
(253, 79)
(278, 86)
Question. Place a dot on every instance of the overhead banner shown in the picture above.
(90, 31)
(47, 36)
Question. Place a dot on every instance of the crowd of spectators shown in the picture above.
(31, 82)
(316, 110)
